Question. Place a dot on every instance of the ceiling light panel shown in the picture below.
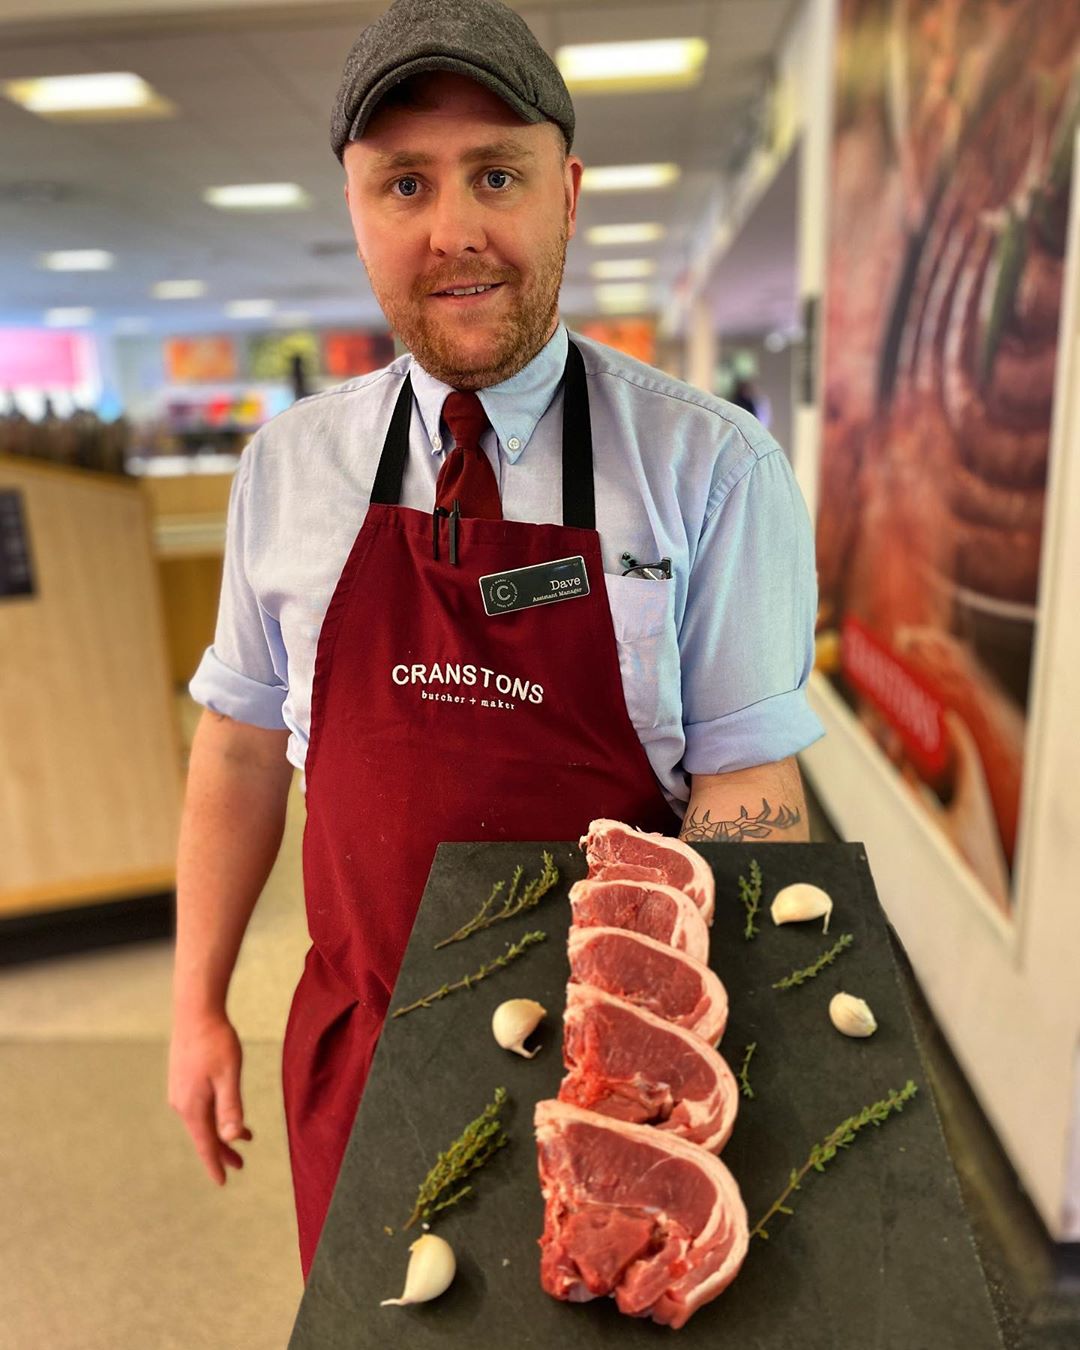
(75, 317)
(77, 260)
(178, 290)
(622, 269)
(249, 309)
(628, 67)
(647, 232)
(258, 197)
(629, 177)
(97, 97)
(624, 299)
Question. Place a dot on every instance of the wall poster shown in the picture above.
(346, 354)
(634, 337)
(952, 153)
(195, 360)
(271, 355)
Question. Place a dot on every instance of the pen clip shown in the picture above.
(436, 515)
(455, 516)
(657, 571)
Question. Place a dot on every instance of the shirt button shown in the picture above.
(513, 443)
(436, 442)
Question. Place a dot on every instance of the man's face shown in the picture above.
(458, 192)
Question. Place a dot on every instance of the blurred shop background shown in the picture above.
(857, 218)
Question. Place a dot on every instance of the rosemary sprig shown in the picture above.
(467, 981)
(744, 1081)
(479, 1141)
(750, 894)
(513, 905)
(841, 1137)
(798, 977)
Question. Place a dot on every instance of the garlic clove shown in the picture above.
(514, 1021)
(431, 1270)
(852, 1015)
(802, 901)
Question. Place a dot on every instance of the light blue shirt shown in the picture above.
(714, 663)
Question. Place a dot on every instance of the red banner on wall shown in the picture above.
(899, 693)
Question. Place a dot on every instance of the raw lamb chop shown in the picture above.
(636, 1213)
(615, 850)
(652, 975)
(661, 912)
(628, 1063)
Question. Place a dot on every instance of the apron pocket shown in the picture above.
(643, 616)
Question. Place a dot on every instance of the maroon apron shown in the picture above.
(432, 721)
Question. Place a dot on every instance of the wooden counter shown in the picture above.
(188, 513)
(90, 757)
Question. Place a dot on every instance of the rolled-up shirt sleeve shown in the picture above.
(747, 635)
(244, 675)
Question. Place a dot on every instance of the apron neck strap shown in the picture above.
(579, 500)
(578, 494)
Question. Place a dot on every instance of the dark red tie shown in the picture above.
(466, 473)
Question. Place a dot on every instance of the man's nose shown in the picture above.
(457, 224)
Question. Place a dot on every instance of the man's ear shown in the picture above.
(572, 172)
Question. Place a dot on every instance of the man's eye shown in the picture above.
(406, 187)
(497, 179)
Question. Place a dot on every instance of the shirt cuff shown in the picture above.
(224, 690)
(761, 733)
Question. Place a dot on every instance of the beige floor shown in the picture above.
(111, 1235)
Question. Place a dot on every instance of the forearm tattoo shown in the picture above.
(703, 829)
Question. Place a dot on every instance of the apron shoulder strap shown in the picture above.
(391, 471)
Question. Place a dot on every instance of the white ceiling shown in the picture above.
(253, 86)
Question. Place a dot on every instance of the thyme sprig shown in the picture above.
(513, 905)
(750, 894)
(744, 1081)
(798, 977)
(467, 981)
(841, 1137)
(480, 1140)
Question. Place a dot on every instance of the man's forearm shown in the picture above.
(765, 804)
(234, 816)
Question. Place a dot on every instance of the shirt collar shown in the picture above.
(513, 407)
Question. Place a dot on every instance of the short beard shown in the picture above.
(520, 336)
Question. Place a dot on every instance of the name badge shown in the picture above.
(526, 587)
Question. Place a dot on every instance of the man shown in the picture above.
(588, 592)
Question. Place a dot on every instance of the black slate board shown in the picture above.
(878, 1255)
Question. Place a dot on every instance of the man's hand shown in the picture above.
(234, 814)
(204, 1089)
(764, 804)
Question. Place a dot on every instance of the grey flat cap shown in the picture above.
(481, 39)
